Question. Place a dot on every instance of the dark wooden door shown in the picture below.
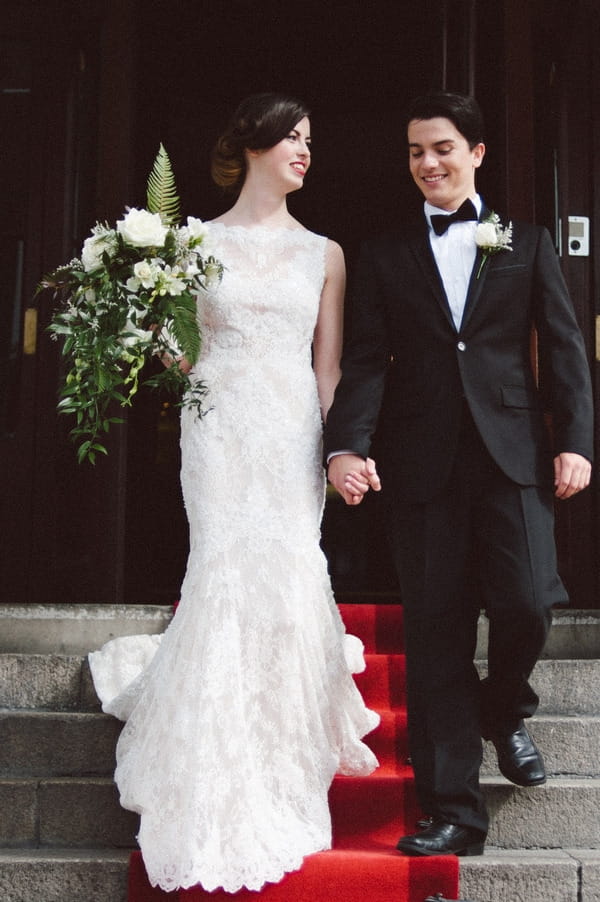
(535, 72)
(65, 137)
(566, 126)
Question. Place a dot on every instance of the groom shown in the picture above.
(439, 363)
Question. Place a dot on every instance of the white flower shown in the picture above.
(212, 273)
(90, 295)
(132, 336)
(191, 269)
(486, 235)
(146, 273)
(134, 315)
(142, 229)
(491, 236)
(195, 228)
(171, 282)
(93, 249)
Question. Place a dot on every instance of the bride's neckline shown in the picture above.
(258, 227)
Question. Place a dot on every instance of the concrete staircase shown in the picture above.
(64, 837)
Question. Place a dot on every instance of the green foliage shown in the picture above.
(161, 192)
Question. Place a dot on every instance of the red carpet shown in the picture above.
(369, 813)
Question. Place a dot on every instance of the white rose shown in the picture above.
(196, 227)
(486, 235)
(91, 254)
(142, 229)
(146, 273)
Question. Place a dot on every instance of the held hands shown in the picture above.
(353, 476)
(572, 473)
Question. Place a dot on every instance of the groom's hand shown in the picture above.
(353, 476)
(572, 474)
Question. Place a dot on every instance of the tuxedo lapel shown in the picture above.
(476, 283)
(477, 280)
(421, 248)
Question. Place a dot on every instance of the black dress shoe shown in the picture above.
(519, 759)
(443, 839)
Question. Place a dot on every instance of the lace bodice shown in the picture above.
(268, 300)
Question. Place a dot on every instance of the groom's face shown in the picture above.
(441, 162)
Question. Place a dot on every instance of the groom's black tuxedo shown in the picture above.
(465, 458)
(407, 369)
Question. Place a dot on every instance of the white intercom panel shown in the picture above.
(579, 236)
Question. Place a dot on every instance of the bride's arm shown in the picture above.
(327, 339)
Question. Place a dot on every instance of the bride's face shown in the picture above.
(287, 162)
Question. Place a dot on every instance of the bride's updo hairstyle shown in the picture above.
(261, 121)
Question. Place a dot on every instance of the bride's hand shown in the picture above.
(184, 365)
(353, 476)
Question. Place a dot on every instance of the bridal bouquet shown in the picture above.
(131, 295)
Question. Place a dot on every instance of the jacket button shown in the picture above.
(461, 346)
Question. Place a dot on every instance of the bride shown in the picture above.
(245, 709)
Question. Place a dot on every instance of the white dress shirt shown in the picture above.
(454, 253)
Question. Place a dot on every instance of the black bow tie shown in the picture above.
(466, 211)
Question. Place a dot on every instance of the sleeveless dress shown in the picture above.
(241, 713)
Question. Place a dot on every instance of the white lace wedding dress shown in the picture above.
(239, 721)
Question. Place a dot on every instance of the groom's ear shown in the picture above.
(478, 153)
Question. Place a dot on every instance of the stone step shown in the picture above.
(79, 628)
(565, 686)
(75, 629)
(570, 875)
(63, 875)
(64, 744)
(85, 812)
(574, 634)
(64, 813)
(49, 682)
(46, 744)
(55, 682)
(569, 745)
(563, 813)
(100, 875)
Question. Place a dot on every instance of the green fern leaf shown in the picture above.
(185, 327)
(161, 192)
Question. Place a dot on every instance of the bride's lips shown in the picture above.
(300, 168)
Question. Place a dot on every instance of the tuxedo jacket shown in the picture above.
(407, 370)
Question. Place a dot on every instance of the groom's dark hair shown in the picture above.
(461, 109)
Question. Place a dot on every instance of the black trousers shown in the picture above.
(483, 542)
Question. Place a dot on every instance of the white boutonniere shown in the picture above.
(491, 236)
